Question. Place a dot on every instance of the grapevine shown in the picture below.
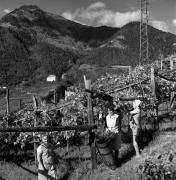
(104, 91)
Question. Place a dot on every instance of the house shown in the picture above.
(51, 78)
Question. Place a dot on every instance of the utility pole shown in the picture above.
(144, 45)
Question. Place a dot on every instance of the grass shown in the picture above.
(10, 171)
(13, 170)
(76, 165)
(162, 146)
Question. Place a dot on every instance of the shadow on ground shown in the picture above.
(165, 123)
(18, 160)
(144, 138)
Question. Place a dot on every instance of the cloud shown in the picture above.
(68, 15)
(96, 5)
(118, 19)
(174, 22)
(96, 14)
(6, 11)
(161, 25)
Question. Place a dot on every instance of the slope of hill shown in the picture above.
(25, 31)
(32, 16)
(123, 47)
(34, 43)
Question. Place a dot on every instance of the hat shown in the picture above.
(136, 103)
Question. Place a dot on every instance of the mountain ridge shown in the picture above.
(35, 43)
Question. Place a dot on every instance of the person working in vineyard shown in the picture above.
(118, 108)
(135, 124)
(46, 160)
(113, 131)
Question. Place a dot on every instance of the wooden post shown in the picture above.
(153, 82)
(7, 105)
(153, 85)
(128, 117)
(85, 81)
(130, 70)
(35, 106)
(89, 103)
(161, 62)
(171, 63)
(91, 121)
(55, 96)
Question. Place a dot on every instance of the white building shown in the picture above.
(51, 78)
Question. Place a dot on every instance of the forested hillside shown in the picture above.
(123, 47)
(34, 44)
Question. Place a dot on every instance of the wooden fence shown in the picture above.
(91, 126)
(49, 128)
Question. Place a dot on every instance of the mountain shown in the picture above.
(123, 47)
(35, 43)
(55, 26)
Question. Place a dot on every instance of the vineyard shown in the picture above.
(72, 111)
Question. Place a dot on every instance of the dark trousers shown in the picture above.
(116, 156)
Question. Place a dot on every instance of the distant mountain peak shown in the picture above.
(29, 7)
(31, 12)
(28, 16)
(32, 9)
(23, 16)
(35, 10)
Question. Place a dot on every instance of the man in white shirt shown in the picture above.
(113, 131)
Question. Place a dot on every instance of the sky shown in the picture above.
(115, 13)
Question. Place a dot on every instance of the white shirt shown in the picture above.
(135, 111)
(136, 115)
(111, 121)
(47, 155)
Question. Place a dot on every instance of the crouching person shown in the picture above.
(113, 132)
(135, 124)
(46, 160)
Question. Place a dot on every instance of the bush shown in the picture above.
(156, 171)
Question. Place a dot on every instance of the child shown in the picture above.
(46, 160)
(135, 124)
